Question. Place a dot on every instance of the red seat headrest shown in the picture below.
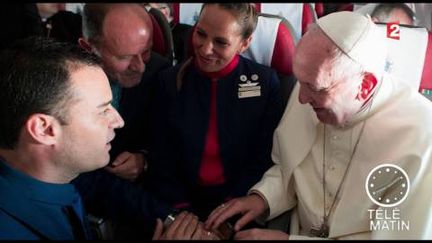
(283, 53)
(308, 16)
(319, 9)
(165, 30)
(158, 38)
(273, 43)
(426, 79)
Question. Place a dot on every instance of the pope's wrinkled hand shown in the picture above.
(250, 207)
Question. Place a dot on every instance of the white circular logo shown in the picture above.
(243, 78)
(254, 77)
(387, 185)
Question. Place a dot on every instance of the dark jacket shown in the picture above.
(108, 195)
(135, 107)
(245, 130)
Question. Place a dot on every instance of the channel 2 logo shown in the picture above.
(393, 30)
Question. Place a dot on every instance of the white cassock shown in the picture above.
(398, 130)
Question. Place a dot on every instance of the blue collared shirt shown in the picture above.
(33, 209)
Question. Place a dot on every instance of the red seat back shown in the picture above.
(346, 7)
(319, 9)
(158, 37)
(426, 79)
(273, 43)
(166, 48)
(309, 16)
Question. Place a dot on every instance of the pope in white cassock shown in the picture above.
(346, 117)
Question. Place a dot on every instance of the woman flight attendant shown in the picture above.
(216, 115)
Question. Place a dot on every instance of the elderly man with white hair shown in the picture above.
(353, 150)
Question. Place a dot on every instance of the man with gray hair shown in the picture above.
(361, 147)
(393, 12)
(122, 36)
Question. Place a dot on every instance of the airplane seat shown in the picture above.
(319, 9)
(346, 7)
(409, 57)
(273, 44)
(162, 37)
(426, 78)
(309, 16)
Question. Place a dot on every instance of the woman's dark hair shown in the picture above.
(245, 13)
(247, 18)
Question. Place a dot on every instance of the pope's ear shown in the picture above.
(43, 128)
(367, 86)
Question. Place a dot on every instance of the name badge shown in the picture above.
(247, 88)
(249, 93)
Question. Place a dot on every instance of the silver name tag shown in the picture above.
(250, 93)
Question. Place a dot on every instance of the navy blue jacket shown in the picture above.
(34, 210)
(108, 195)
(245, 130)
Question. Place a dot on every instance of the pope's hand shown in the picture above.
(250, 207)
